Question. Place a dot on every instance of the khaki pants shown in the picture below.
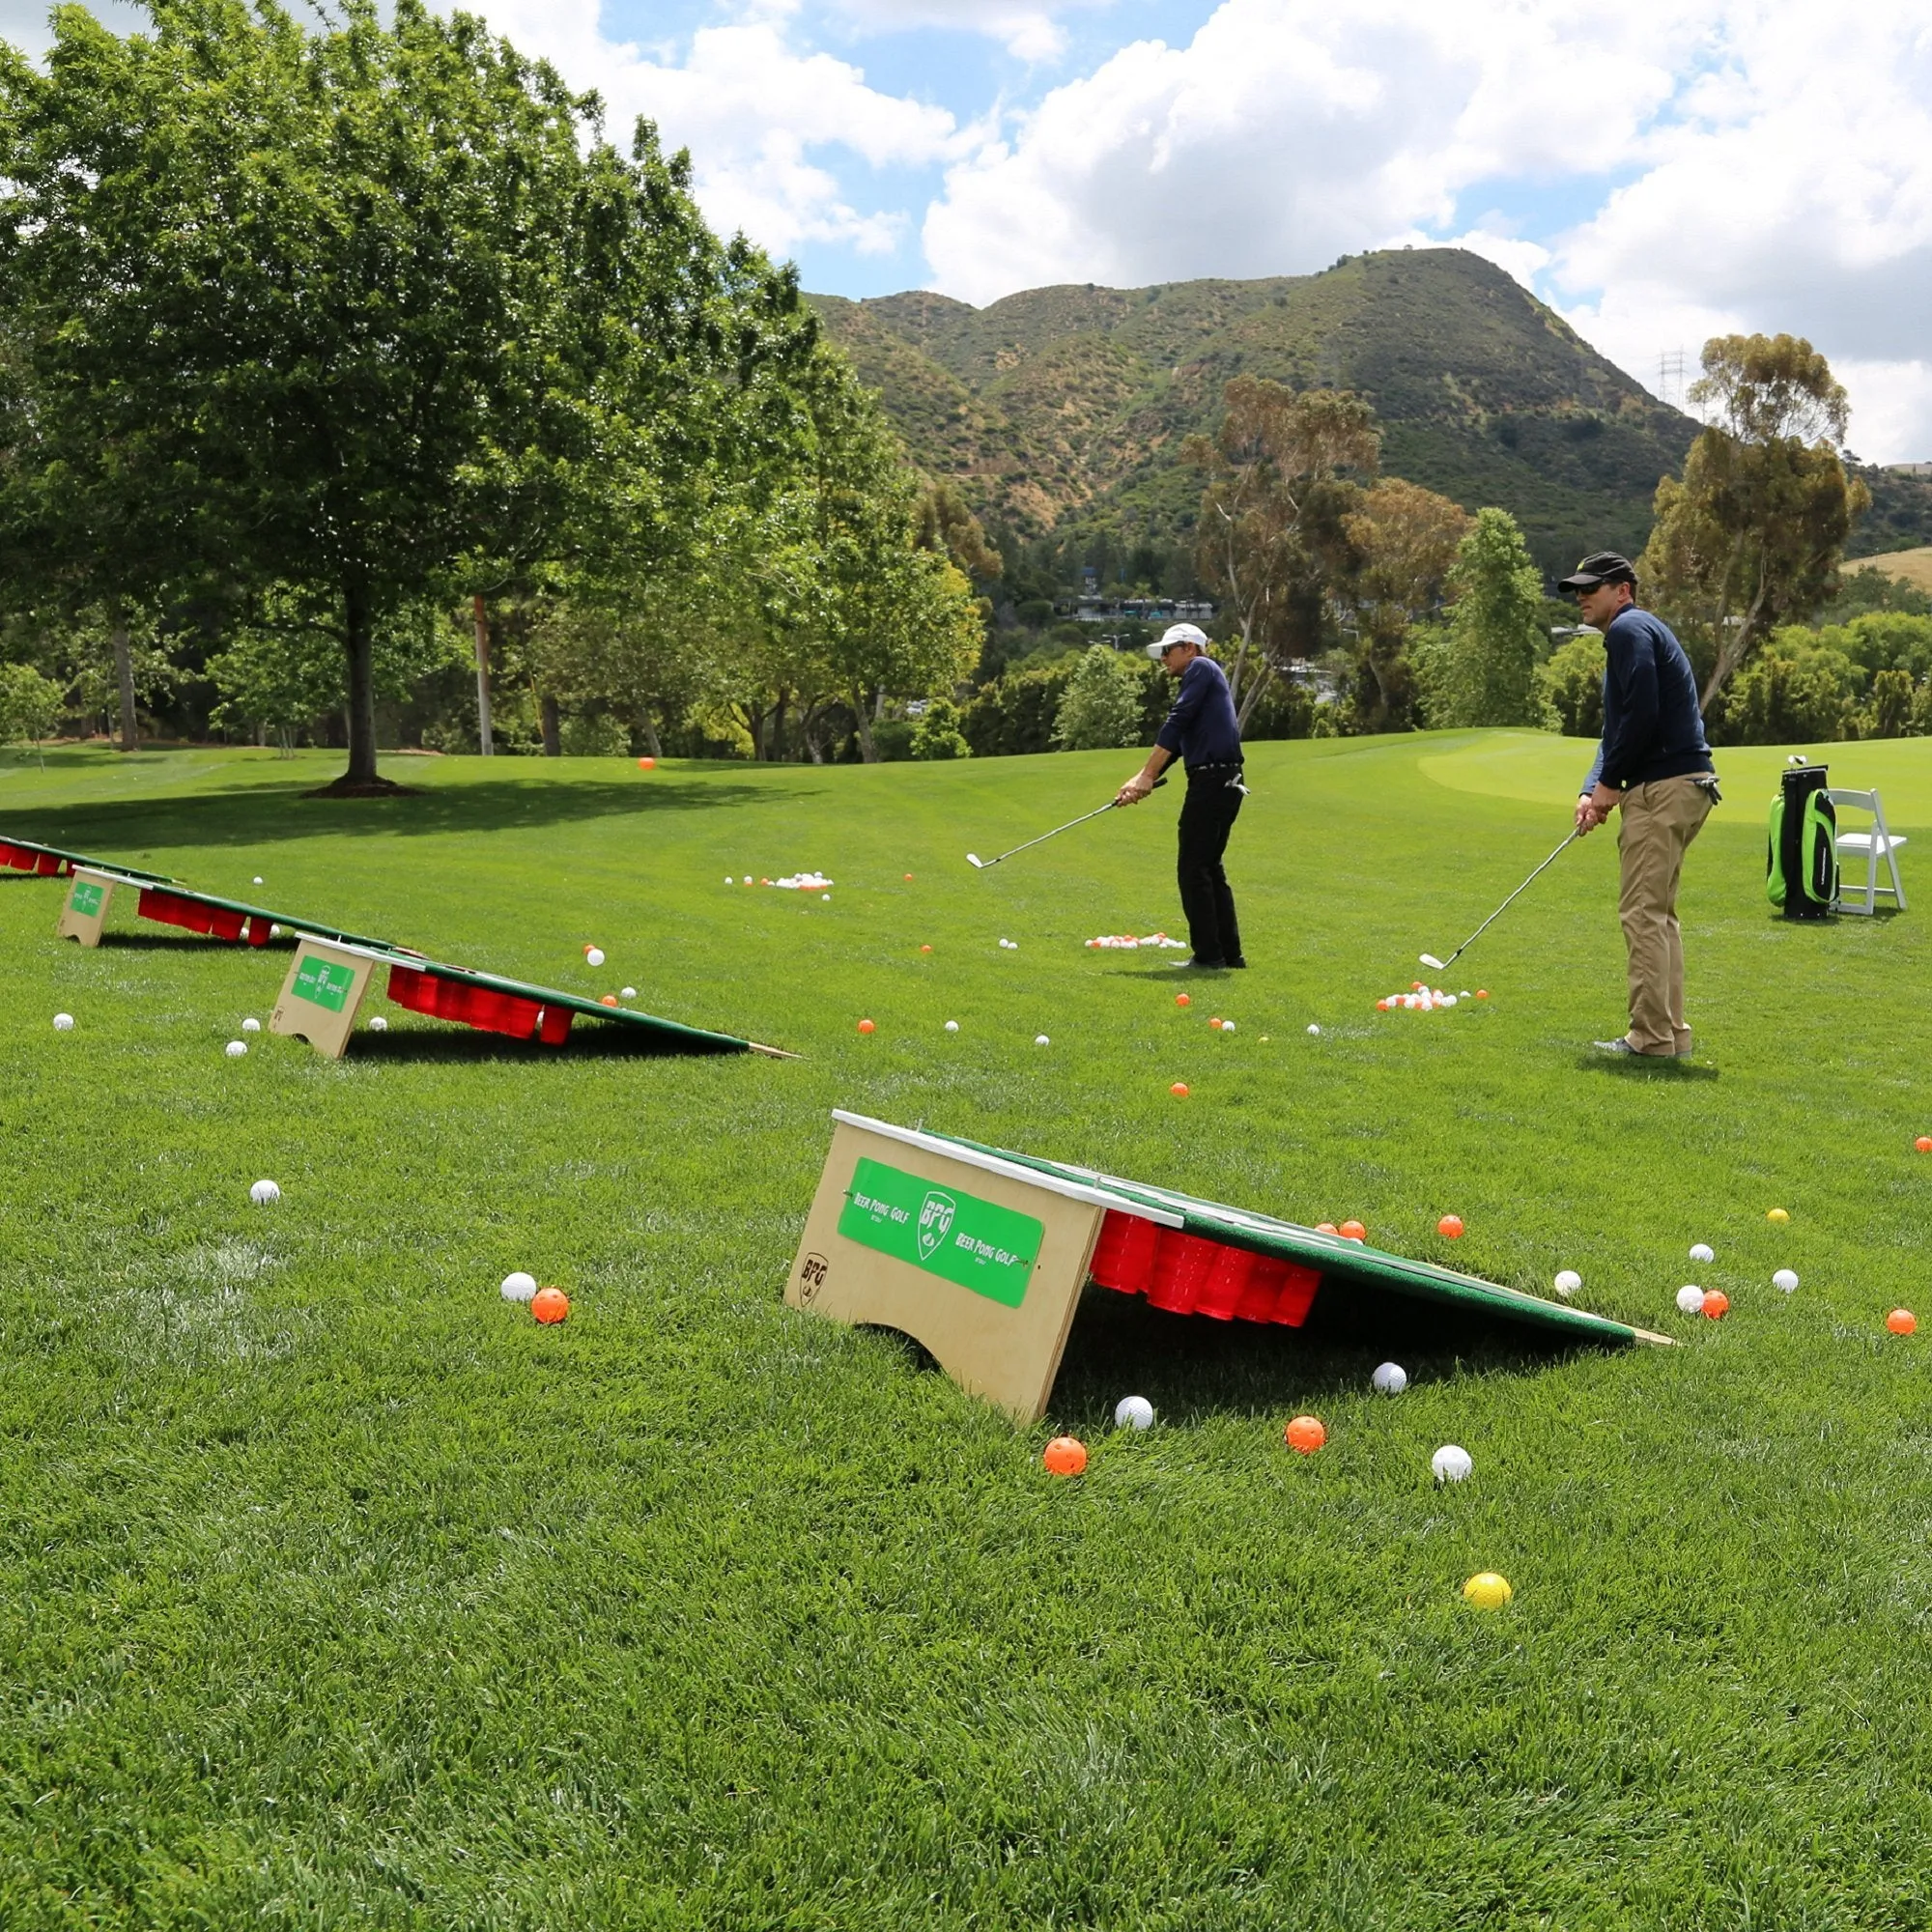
(1660, 820)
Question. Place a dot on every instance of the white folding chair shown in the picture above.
(1877, 843)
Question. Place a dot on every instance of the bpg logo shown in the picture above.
(935, 1219)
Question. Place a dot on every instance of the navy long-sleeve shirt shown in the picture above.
(1651, 727)
(1201, 728)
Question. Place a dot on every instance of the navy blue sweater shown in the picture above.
(1652, 725)
(1201, 728)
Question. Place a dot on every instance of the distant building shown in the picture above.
(1093, 608)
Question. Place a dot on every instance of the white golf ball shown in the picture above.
(262, 1192)
(1691, 1301)
(629, 993)
(1447, 1000)
(275, 931)
(258, 878)
(952, 1026)
(63, 1022)
(1391, 1378)
(251, 1026)
(747, 878)
(1451, 1464)
(595, 957)
(1703, 1252)
(1785, 1279)
(379, 1024)
(1314, 1029)
(1227, 1026)
(1041, 1039)
(236, 1048)
(1567, 1281)
(519, 1286)
(1133, 1411)
(729, 880)
(825, 896)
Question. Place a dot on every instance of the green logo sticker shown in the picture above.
(84, 901)
(323, 985)
(975, 1244)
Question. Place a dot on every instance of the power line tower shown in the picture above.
(1672, 377)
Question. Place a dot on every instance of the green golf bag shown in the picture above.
(1802, 856)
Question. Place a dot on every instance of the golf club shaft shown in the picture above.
(1059, 829)
(1569, 839)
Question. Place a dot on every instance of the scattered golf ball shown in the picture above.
(866, 1026)
(594, 956)
(251, 1026)
(1923, 1143)
(952, 1026)
(1352, 1231)
(1391, 1378)
(518, 1286)
(1567, 1281)
(1451, 1464)
(275, 931)
(1717, 1305)
(1178, 1089)
(63, 1022)
(1691, 1301)
(647, 764)
(729, 880)
(1487, 1591)
(1703, 1252)
(1786, 1279)
(1066, 1455)
(264, 1192)
(236, 1048)
(1183, 1000)
(630, 993)
(609, 1000)
(379, 1024)
(1133, 1411)
(550, 1304)
(1901, 1322)
(258, 878)
(1227, 1026)
(1450, 1227)
(1313, 1028)
(1779, 1216)
(1041, 1039)
(1306, 1435)
(825, 896)
(747, 878)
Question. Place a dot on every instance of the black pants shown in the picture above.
(1213, 804)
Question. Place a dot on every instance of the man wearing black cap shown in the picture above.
(1655, 766)
(1201, 728)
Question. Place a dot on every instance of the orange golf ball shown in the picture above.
(1326, 1228)
(1382, 1006)
(1450, 1227)
(1482, 993)
(1901, 1322)
(1182, 1000)
(609, 1000)
(1306, 1434)
(1178, 1089)
(1066, 1455)
(866, 1026)
(1352, 1231)
(550, 1304)
(1717, 1305)
(1216, 1024)
(1923, 1143)
(646, 764)
(908, 879)
(925, 948)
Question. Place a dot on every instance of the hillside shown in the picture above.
(1061, 409)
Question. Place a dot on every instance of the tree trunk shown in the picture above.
(777, 726)
(649, 727)
(1252, 696)
(359, 628)
(124, 670)
(868, 750)
(483, 734)
(552, 727)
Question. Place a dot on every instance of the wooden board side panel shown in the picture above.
(94, 891)
(327, 1029)
(1009, 1354)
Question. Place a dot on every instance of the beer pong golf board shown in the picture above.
(980, 1256)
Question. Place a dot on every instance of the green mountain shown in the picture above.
(1060, 410)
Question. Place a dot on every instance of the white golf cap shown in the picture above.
(1178, 634)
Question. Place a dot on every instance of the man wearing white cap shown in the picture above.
(1202, 731)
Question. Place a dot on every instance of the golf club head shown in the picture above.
(1430, 960)
(977, 863)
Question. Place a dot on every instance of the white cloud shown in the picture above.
(1027, 32)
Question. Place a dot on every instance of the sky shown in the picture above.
(1659, 171)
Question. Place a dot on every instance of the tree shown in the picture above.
(1571, 685)
(1482, 670)
(30, 706)
(1404, 540)
(1271, 541)
(1808, 697)
(375, 314)
(1101, 708)
(937, 734)
(1752, 535)
(1890, 713)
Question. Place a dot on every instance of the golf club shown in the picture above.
(1430, 960)
(979, 864)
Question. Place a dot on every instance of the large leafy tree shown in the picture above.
(1752, 535)
(1404, 540)
(1482, 669)
(356, 316)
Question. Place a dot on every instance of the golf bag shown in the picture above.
(1802, 856)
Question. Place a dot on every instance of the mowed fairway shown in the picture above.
(334, 1591)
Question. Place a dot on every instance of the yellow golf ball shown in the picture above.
(1779, 1216)
(1488, 1591)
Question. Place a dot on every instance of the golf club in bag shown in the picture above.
(1430, 960)
(979, 864)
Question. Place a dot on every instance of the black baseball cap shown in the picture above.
(1604, 566)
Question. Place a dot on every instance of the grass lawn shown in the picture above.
(334, 1591)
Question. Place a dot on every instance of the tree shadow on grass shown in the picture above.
(1193, 1367)
(259, 814)
(422, 1046)
(1644, 1066)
